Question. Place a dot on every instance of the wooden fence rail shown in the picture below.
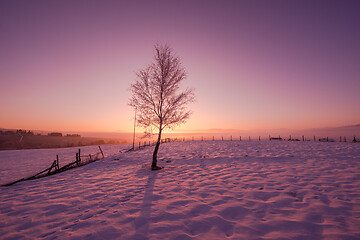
(54, 168)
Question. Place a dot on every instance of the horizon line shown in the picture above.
(209, 130)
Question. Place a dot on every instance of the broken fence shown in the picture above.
(80, 160)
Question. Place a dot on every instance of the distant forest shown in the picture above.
(27, 139)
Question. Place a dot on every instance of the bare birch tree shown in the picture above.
(157, 97)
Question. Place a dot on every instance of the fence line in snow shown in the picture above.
(80, 160)
(270, 138)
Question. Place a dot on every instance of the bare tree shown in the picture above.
(157, 97)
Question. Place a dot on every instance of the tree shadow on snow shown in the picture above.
(142, 222)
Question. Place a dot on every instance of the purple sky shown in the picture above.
(67, 65)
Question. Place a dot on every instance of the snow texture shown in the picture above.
(207, 190)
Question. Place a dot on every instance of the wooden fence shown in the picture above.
(150, 143)
(80, 160)
(270, 138)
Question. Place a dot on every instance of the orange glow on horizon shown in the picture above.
(62, 69)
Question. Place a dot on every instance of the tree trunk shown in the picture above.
(154, 162)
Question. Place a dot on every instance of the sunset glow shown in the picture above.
(68, 65)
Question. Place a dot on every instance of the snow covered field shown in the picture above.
(16, 164)
(207, 190)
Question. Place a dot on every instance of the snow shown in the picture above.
(207, 190)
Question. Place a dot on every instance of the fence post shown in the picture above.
(53, 165)
(259, 138)
(57, 162)
(240, 138)
(101, 151)
(222, 138)
(79, 158)
(230, 137)
(303, 138)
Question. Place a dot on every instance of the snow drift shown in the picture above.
(207, 190)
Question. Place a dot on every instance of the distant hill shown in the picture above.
(353, 130)
(22, 139)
